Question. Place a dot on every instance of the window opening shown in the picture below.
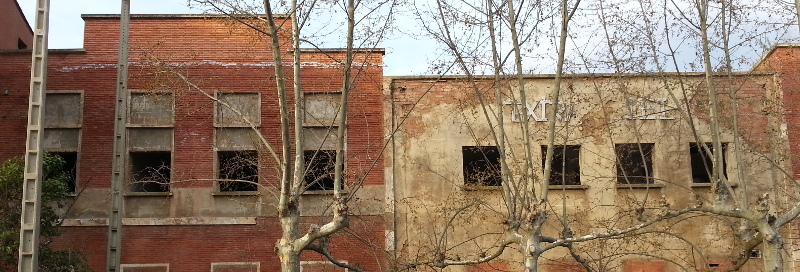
(21, 44)
(150, 171)
(702, 162)
(634, 163)
(70, 167)
(565, 167)
(319, 169)
(481, 166)
(238, 170)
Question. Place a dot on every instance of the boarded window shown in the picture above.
(634, 163)
(150, 171)
(63, 110)
(319, 138)
(144, 267)
(151, 109)
(237, 139)
(565, 167)
(320, 267)
(236, 109)
(319, 173)
(322, 109)
(481, 166)
(702, 162)
(61, 139)
(236, 267)
(149, 139)
(237, 170)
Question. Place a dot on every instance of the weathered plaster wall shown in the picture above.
(434, 119)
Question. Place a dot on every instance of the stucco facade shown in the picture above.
(629, 144)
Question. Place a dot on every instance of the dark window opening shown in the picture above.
(565, 167)
(21, 44)
(702, 162)
(238, 170)
(150, 171)
(634, 163)
(482, 166)
(70, 167)
(319, 169)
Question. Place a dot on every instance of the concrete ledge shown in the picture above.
(169, 221)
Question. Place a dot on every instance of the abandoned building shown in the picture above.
(187, 207)
(423, 147)
(622, 142)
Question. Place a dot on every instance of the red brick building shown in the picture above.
(182, 211)
(15, 32)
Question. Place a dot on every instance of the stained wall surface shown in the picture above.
(443, 211)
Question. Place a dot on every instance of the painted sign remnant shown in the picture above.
(537, 111)
(648, 109)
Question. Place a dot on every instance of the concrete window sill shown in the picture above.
(236, 193)
(640, 186)
(568, 187)
(139, 194)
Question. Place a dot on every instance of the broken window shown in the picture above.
(481, 166)
(150, 171)
(320, 166)
(237, 170)
(149, 141)
(320, 127)
(702, 162)
(70, 167)
(565, 167)
(237, 110)
(63, 118)
(634, 163)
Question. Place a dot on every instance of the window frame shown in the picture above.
(707, 161)
(643, 151)
(218, 172)
(133, 183)
(557, 173)
(495, 177)
(132, 150)
(73, 183)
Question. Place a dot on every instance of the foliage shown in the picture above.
(54, 189)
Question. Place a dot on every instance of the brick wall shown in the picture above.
(15, 26)
(194, 248)
(216, 55)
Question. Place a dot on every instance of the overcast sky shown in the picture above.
(403, 56)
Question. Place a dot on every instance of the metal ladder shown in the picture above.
(32, 179)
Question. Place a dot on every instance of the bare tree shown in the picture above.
(288, 38)
(643, 118)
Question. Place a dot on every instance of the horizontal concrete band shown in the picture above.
(169, 221)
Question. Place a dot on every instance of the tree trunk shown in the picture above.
(288, 254)
(772, 247)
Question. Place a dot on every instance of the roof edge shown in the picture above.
(23, 17)
(770, 51)
(342, 50)
(597, 75)
(172, 16)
